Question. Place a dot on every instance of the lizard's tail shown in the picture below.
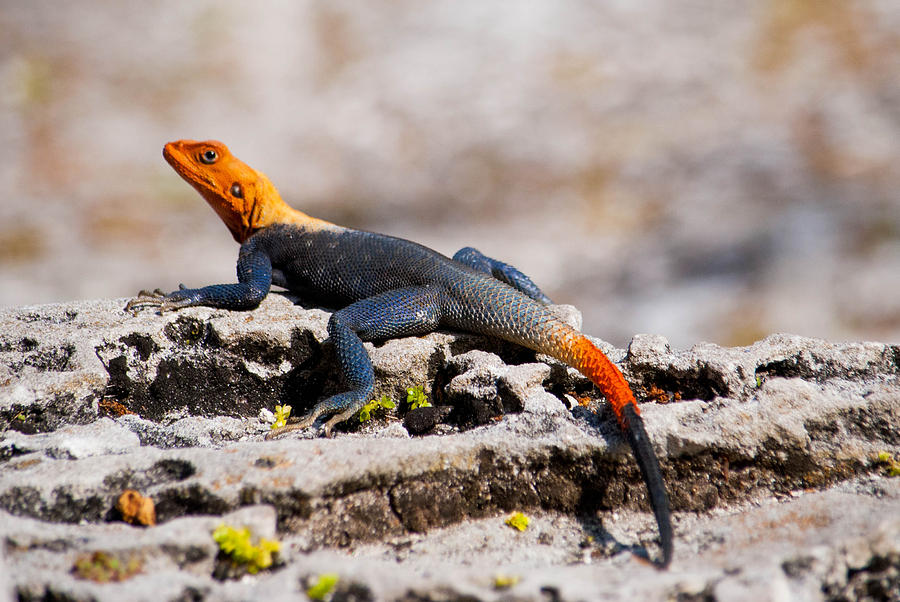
(579, 352)
(495, 309)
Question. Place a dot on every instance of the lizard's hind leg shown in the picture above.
(396, 313)
(501, 271)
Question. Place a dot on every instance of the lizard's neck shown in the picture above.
(263, 209)
(289, 215)
(270, 209)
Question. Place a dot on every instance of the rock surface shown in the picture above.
(768, 451)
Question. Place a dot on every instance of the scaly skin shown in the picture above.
(386, 287)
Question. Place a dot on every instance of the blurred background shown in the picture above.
(704, 171)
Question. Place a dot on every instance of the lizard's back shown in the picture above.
(337, 266)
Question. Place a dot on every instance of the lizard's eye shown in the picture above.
(209, 156)
(237, 191)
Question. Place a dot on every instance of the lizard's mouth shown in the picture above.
(183, 164)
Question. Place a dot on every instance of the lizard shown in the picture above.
(385, 287)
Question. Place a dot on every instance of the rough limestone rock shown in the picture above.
(770, 452)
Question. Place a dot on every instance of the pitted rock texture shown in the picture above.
(768, 452)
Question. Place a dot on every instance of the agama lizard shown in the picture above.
(385, 287)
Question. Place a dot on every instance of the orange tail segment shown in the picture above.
(579, 352)
(593, 363)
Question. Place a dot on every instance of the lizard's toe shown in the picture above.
(169, 304)
(144, 299)
(288, 428)
(335, 420)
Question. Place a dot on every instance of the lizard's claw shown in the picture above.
(163, 301)
(146, 298)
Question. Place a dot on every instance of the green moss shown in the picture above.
(323, 586)
(415, 397)
(282, 413)
(888, 462)
(365, 413)
(104, 568)
(505, 581)
(518, 521)
(237, 544)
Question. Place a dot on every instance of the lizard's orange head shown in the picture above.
(243, 198)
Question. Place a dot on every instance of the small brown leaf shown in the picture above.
(136, 509)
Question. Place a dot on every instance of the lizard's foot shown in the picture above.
(338, 419)
(161, 300)
(344, 401)
(304, 423)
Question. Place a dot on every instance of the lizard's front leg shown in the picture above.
(396, 313)
(254, 281)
